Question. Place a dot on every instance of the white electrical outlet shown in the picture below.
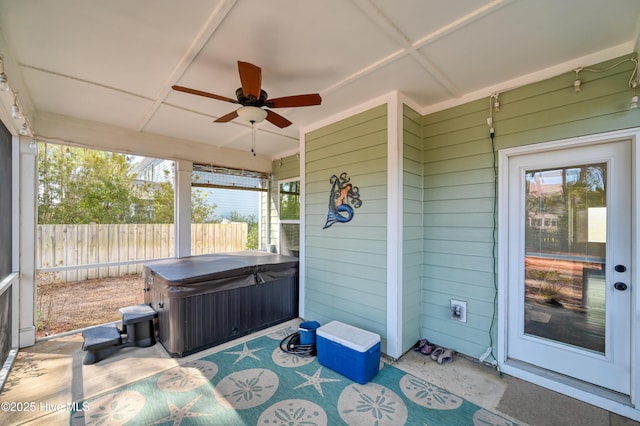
(458, 310)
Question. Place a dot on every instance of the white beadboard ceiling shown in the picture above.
(114, 62)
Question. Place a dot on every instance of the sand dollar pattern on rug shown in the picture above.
(113, 408)
(247, 388)
(371, 404)
(188, 376)
(294, 412)
(286, 359)
(252, 383)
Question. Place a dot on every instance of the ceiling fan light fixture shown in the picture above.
(253, 99)
(251, 114)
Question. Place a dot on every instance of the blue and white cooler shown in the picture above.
(348, 350)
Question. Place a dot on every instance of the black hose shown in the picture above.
(292, 345)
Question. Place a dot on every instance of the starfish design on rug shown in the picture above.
(315, 381)
(179, 414)
(245, 352)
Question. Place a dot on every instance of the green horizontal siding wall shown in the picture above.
(459, 187)
(286, 168)
(345, 264)
(412, 226)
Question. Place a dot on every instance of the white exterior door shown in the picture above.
(568, 262)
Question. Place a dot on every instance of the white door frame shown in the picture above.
(628, 407)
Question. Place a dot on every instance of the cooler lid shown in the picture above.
(348, 335)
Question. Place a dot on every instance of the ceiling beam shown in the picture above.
(206, 32)
(408, 48)
(390, 29)
(461, 22)
(65, 130)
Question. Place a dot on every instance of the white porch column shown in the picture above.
(27, 220)
(395, 282)
(183, 208)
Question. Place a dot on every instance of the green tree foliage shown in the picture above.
(162, 205)
(79, 186)
(576, 190)
(201, 211)
(252, 228)
(82, 186)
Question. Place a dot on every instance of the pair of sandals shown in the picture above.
(439, 354)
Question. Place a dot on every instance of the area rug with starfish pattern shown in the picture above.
(256, 383)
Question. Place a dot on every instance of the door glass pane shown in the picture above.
(565, 246)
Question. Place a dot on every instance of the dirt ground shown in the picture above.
(70, 306)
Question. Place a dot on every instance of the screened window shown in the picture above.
(6, 324)
(289, 205)
(101, 216)
(290, 200)
(236, 197)
(5, 202)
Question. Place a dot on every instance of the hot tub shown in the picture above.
(206, 300)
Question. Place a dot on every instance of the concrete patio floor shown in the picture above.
(51, 373)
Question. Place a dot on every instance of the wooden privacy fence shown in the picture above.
(81, 252)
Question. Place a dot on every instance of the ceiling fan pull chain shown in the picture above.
(253, 138)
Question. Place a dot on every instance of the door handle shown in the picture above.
(620, 268)
(620, 286)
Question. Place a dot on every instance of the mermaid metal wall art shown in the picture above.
(342, 194)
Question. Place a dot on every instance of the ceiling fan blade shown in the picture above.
(227, 117)
(277, 119)
(294, 101)
(205, 94)
(251, 79)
